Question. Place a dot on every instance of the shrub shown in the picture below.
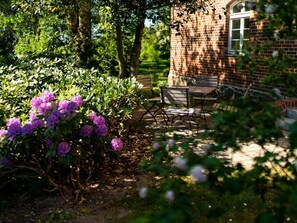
(110, 96)
(62, 143)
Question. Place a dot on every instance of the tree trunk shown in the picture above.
(120, 50)
(136, 50)
(84, 48)
(72, 18)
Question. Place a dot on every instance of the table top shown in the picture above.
(199, 89)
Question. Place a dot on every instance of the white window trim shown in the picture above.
(235, 16)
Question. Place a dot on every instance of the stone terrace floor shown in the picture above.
(245, 156)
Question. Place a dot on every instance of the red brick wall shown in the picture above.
(202, 49)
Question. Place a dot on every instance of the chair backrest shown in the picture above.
(175, 96)
(208, 81)
(146, 81)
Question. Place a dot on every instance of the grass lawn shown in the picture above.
(155, 70)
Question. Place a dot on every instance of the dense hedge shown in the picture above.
(108, 96)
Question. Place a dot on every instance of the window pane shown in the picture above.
(235, 45)
(237, 8)
(236, 24)
(248, 5)
(236, 34)
(246, 23)
(246, 34)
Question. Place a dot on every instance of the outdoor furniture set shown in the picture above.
(288, 108)
(183, 102)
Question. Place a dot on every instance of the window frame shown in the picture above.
(242, 15)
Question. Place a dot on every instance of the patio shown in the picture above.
(246, 156)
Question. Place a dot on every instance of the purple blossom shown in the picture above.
(78, 100)
(5, 162)
(48, 143)
(44, 108)
(62, 149)
(116, 144)
(47, 96)
(28, 128)
(92, 115)
(71, 106)
(99, 120)
(86, 131)
(35, 102)
(3, 133)
(32, 115)
(102, 130)
(37, 123)
(14, 127)
(62, 106)
(53, 119)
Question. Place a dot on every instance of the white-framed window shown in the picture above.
(239, 27)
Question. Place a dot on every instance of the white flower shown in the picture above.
(170, 142)
(275, 53)
(180, 162)
(198, 173)
(270, 9)
(143, 192)
(156, 145)
(276, 36)
(206, 148)
(169, 195)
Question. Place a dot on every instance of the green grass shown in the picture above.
(208, 207)
(155, 70)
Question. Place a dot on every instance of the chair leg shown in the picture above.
(148, 111)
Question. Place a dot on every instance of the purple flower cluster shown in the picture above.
(77, 100)
(13, 127)
(62, 149)
(53, 119)
(3, 133)
(99, 122)
(86, 131)
(47, 113)
(44, 108)
(47, 96)
(116, 144)
(35, 102)
(28, 128)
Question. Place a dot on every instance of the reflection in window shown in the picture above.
(239, 27)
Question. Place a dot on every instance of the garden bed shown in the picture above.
(109, 200)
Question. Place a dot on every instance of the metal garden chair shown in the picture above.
(178, 99)
(152, 102)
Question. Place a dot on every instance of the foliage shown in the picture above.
(86, 30)
(278, 25)
(156, 43)
(50, 40)
(112, 97)
(186, 164)
(62, 144)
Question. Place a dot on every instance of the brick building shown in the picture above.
(207, 45)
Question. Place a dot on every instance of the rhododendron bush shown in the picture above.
(61, 142)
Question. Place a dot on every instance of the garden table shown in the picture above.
(201, 91)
